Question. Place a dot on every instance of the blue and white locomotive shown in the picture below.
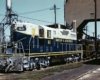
(45, 44)
(43, 39)
(35, 46)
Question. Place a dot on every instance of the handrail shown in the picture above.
(22, 48)
(29, 45)
(19, 42)
(21, 39)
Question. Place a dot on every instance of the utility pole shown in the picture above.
(95, 2)
(98, 36)
(93, 34)
(86, 31)
(54, 8)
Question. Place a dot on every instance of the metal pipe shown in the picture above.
(96, 28)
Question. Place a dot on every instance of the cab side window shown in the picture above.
(41, 32)
(21, 28)
(48, 33)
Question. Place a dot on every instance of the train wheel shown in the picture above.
(32, 68)
(38, 66)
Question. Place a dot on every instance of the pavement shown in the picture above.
(90, 75)
(89, 71)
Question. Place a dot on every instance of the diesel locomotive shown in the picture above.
(35, 46)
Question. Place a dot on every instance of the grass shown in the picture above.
(41, 74)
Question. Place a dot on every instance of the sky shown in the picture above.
(91, 28)
(40, 10)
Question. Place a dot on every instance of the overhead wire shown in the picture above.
(88, 31)
(34, 11)
(35, 19)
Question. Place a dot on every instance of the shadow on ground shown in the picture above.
(10, 72)
(93, 62)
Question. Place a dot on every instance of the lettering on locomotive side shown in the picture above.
(64, 40)
(73, 35)
(64, 32)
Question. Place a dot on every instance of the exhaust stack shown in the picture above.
(8, 4)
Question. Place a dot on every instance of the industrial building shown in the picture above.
(79, 12)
